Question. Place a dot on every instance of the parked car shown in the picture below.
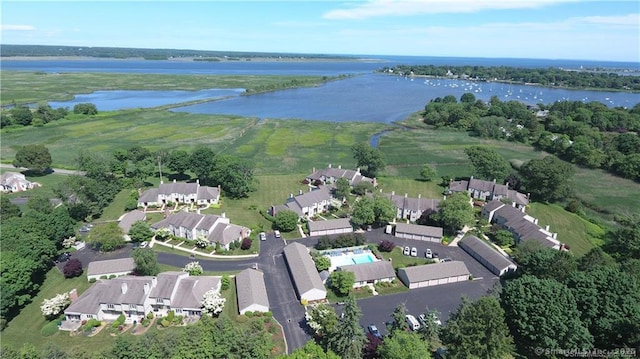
(263, 236)
(144, 244)
(64, 257)
(374, 331)
(428, 254)
(406, 251)
(412, 322)
(445, 260)
(423, 318)
(414, 252)
(276, 233)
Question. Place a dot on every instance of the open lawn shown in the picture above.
(399, 260)
(573, 230)
(28, 87)
(116, 208)
(607, 192)
(48, 182)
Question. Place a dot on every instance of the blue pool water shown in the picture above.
(362, 258)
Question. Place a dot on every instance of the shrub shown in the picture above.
(165, 323)
(225, 282)
(72, 268)
(242, 319)
(145, 322)
(273, 329)
(150, 315)
(249, 314)
(386, 246)
(246, 243)
(49, 329)
(92, 280)
(112, 276)
(171, 315)
(104, 277)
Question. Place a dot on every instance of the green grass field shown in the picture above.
(30, 87)
(573, 230)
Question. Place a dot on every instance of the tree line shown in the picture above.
(550, 77)
(588, 134)
(25, 116)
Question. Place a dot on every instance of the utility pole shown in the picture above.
(160, 168)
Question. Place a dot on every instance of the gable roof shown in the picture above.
(251, 289)
(329, 224)
(419, 230)
(459, 186)
(178, 187)
(312, 197)
(165, 284)
(134, 292)
(493, 205)
(474, 244)
(302, 268)
(371, 271)
(150, 195)
(89, 301)
(412, 203)
(435, 271)
(191, 290)
(111, 266)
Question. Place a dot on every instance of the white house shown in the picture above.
(110, 267)
(251, 291)
(15, 182)
(489, 190)
(307, 204)
(180, 192)
(331, 174)
(412, 208)
(303, 271)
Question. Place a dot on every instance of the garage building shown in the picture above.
(434, 274)
(252, 292)
(418, 232)
(371, 273)
(332, 226)
(303, 273)
(110, 267)
(497, 263)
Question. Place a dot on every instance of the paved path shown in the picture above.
(58, 171)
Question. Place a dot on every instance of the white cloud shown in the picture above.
(7, 27)
(377, 8)
(624, 20)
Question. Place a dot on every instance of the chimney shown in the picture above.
(174, 180)
(535, 221)
(358, 170)
(471, 178)
(198, 181)
(313, 170)
(494, 181)
(329, 165)
(546, 228)
(73, 294)
(146, 288)
(300, 191)
(339, 167)
(154, 281)
(405, 195)
(393, 193)
(223, 215)
(124, 287)
(554, 236)
(419, 195)
(310, 189)
(273, 210)
(290, 195)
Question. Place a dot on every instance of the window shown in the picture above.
(159, 301)
(132, 306)
(111, 306)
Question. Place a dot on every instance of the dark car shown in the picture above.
(64, 257)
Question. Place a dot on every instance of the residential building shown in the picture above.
(135, 297)
(307, 204)
(489, 190)
(128, 219)
(434, 274)
(330, 175)
(180, 192)
(523, 226)
(419, 232)
(251, 291)
(216, 229)
(15, 182)
(110, 267)
(328, 227)
(370, 273)
(487, 255)
(412, 208)
(303, 272)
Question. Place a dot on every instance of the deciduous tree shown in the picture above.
(106, 237)
(342, 281)
(212, 303)
(348, 340)
(193, 268)
(140, 231)
(404, 345)
(369, 158)
(428, 173)
(286, 220)
(34, 157)
(455, 212)
(343, 189)
(478, 330)
(487, 163)
(547, 179)
(73, 268)
(178, 161)
(146, 261)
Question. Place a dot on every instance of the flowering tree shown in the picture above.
(202, 242)
(193, 268)
(68, 242)
(162, 234)
(212, 303)
(54, 306)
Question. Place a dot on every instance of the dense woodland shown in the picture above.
(550, 77)
(588, 134)
(151, 54)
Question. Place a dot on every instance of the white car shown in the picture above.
(276, 233)
(414, 252)
(406, 251)
(428, 254)
(263, 236)
(144, 244)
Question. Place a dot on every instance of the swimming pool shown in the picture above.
(349, 258)
(362, 258)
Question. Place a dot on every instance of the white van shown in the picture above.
(413, 322)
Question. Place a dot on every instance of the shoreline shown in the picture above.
(192, 59)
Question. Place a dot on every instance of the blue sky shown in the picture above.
(550, 29)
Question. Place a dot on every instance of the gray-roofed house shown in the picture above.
(128, 219)
(135, 297)
(332, 226)
(523, 226)
(15, 182)
(180, 192)
(371, 273)
(216, 229)
(419, 232)
(251, 291)
(434, 274)
(488, 256)
(489, 190)
(110, 267)
(331, 174)
(412, 208)
(307, 204)
(304, 274)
